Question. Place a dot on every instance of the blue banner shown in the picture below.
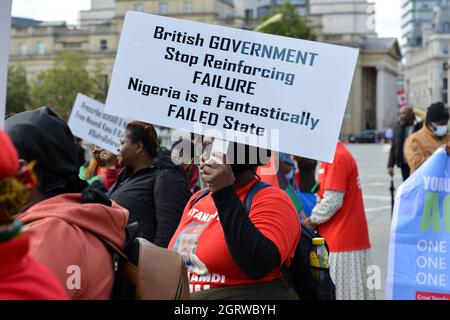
(419, 250)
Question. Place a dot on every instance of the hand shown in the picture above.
(108, 158)
(391, 171)
(216, 175)
(447, 148)
(303, 215)
(308, 223)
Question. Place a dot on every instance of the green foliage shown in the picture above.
(100, 84)
(18, 92)
(57, 87)
(291, 25)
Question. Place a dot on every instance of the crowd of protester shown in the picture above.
(58, 208)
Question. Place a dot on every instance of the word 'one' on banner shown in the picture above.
(274, 92)
(89, 122)
(419, 250)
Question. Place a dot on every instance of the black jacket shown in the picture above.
(155, 197)
(396, 156)
(307, 170)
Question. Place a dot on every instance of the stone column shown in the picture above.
(436, 82)
(386, 98)
(352, 123)
(447, 74)
(357, 106)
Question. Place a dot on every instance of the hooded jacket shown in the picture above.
(22, 277)
(41, 135)
(155, 197)
(63, 237)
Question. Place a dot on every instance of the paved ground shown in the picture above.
(372, 160)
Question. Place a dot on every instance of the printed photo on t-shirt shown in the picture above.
(186, 246)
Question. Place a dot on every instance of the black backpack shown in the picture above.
(298, 274)
(306, 287)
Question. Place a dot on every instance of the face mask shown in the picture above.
(440, 131)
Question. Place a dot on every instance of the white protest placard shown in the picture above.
(5, 26)
(274, 92)
(89, 122)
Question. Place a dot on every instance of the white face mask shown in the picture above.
(440, 131)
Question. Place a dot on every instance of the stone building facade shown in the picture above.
(372, 101)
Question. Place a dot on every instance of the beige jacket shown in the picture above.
(421, 145)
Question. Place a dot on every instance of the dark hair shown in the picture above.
(144, 132)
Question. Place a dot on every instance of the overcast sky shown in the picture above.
(387, 12)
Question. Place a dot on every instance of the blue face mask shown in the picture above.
(440, 131)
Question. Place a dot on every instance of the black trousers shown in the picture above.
(405, 171)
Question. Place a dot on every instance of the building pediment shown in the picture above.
(382, 45)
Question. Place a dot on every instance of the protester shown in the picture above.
(88, 171)
(103, 166)
(152, 188)
(341, 220)
(285, 173)
(434, 134)
(306, 181)
(109, 168)
(407, 125)
(65, 226)
(21, 276)
(232, 254)
(306, 175)
(287, 166)
(280, 172)
(186, 160)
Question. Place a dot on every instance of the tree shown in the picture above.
(57, 87)
(101, 84)
(18, 91)
(291, 25)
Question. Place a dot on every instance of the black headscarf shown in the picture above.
(246, 157)
(437, 112)
(43, 136)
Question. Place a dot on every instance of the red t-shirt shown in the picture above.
(347, 230)
(201, 241)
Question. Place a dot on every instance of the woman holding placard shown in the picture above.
(236, 235)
